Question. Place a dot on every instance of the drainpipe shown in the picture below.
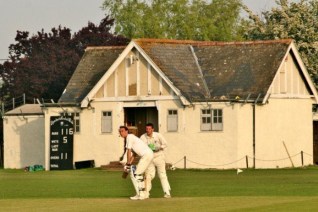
(254, 130)
(254, 135)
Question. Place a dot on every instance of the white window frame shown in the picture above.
(211, 119)
(172, 120)
(217, 119)
(206, 120)
(77, 122)
(107, 122)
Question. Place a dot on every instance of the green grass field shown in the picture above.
(192, 190)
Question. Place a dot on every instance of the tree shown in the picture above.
(289, 20)
(41, 65)
(40, 62)
(100, 35)
(177, 19)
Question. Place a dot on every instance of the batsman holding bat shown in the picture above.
(134, 144)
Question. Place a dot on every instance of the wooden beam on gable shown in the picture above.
(116, 83)
(161, 74)
(127, 78)
(138, 74)
(117, 62)
(149, 79)
(303, 68)
(108, 73)
(307, 80)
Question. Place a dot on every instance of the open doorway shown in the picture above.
(136, 119)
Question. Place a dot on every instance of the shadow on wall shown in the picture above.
(31, 140)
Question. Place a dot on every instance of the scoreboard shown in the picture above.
(61, 142)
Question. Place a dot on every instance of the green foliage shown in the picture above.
(41, 65)
(296, 20)
(176, 19)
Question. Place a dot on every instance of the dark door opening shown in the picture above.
(136, 119)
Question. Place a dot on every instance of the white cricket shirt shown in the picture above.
(137, 145)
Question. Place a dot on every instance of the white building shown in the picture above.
(222, 105)
(23, 136)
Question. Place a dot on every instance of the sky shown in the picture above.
(35, 15)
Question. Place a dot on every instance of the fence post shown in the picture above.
(302, 158)
(24, 99)
(13, 102)
(185, 162)
(246, 157)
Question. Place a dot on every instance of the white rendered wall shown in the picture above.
(284, 120)
(23, 141)
(288, 120)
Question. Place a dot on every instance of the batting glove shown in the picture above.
(127, 168)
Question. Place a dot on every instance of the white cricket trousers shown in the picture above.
(158, 162)
(143, 163)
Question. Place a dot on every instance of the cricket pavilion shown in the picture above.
(218, 104)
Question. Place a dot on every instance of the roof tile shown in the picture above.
(224, 70)
(93, 65)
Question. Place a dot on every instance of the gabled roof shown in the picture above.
(177, 60)
(93, 65)
(229, 69)
(132, 45)
(195, 70)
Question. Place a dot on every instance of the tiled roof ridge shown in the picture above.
(211, 43)
(103, 47)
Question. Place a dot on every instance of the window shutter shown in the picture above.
(172, 122)
(206, 120)
(217, 119)
(106, 122)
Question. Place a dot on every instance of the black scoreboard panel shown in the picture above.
(61, 143)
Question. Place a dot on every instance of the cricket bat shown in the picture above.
(124, 175)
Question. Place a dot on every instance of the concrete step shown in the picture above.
(117, 166)
(113, 165)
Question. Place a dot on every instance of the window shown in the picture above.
(206, 120)
(107, 122)
(217, 117)
(76, 122)
(76, 119)
(172, 122)
(211, 119)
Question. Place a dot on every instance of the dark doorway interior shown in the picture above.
(137, 118)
